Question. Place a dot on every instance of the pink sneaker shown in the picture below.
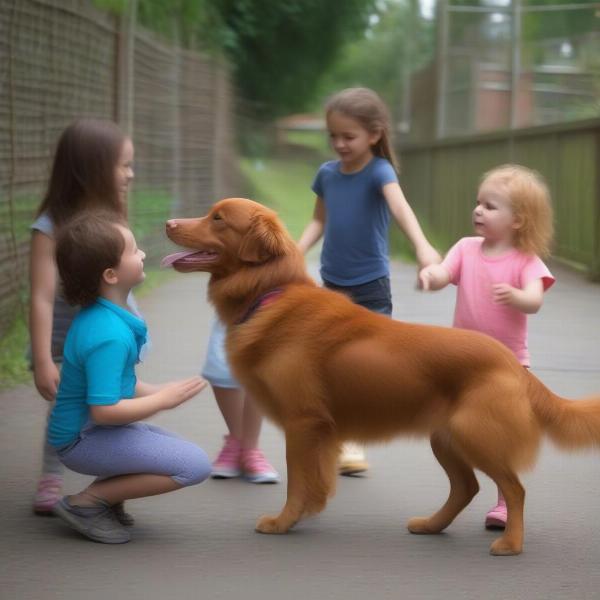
(496, 517)
(48, 494)
(228, 463)
(256, 467)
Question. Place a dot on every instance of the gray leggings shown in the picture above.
(108, 451)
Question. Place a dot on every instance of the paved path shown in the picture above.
(199, 543)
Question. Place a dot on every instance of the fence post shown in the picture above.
(124, 84)
(443, 18)
(595, 267)
(176, 203)
(220, 106)
(515, 71)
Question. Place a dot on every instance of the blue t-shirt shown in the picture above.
(101, 351)
(355, 240)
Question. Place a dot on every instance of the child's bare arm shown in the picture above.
(146, 389)
(408, 223)
(314, 230)
(42, 274)
(433, 277)
(528, 300)
(129, 410)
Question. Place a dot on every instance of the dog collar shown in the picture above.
(261, 301)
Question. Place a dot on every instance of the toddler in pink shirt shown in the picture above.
(499, 274)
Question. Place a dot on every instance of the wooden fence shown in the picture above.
(441, 181)
(65, 59)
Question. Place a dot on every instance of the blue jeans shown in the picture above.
(375, 295)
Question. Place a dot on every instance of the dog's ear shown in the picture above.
(265, 239)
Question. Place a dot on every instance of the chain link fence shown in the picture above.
(507, 64)
(65, 59)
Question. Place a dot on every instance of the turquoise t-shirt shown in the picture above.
(355, 238)
(100, 354)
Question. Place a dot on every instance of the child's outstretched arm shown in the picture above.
(433, 277)
(314, 230)
(42, 275)
(528, 300)
(146, 389)
(407, 221)
(129, 410)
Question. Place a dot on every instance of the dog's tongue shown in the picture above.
(168, 261)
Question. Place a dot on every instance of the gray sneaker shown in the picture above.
(122, 515)
(98, 523)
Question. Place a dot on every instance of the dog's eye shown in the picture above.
(217, 217)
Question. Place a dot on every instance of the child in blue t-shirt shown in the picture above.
(355, 196)
(94, 425)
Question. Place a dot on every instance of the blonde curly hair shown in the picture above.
(531, 205)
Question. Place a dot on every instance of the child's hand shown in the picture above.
(178, 392)
(502, 293)
(425, 279)
(433, 277)
(428, 255)
(46, 379)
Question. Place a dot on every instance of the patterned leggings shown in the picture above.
(108, 451)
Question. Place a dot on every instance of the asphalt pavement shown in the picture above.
(200, 542)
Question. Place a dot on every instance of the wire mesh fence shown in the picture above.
(508, 64)
(65, 59)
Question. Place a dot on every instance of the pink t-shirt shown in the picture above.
(474, 274)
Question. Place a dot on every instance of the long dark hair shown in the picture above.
(83, 171)
(365, 106)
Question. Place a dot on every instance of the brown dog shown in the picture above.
(327, 370)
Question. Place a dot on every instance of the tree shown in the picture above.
(398, 43)
(280, 50)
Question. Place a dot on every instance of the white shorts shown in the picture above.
(216, 368)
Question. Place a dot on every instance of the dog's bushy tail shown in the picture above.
(571, 424)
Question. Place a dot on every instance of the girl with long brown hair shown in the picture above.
(91, 169)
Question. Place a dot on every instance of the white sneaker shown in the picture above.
(352, 459)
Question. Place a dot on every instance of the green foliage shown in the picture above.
(148, 209)
(284, 185)
(315, 141)
(13, 364)
(536, 25)
(400, 42)
(559, 23)
(280, 49)
(191, 23)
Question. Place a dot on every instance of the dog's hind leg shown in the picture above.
(311, 453)
(463, 487)
(514, 493)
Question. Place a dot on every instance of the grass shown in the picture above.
(148, 210)
(314, 140)
(284, 185)
(14, 367)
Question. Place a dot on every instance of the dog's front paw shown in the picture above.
(422, 525)
(267, 524)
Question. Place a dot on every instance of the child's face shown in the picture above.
(493, 216)
(350, 140)
(124, 169)
(130, 271)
